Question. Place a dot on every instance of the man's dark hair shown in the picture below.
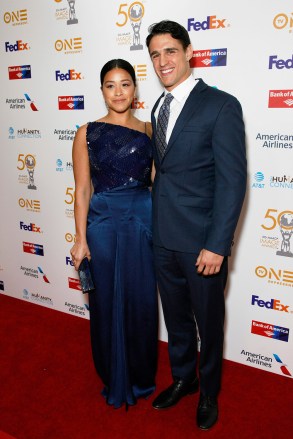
(176, 31)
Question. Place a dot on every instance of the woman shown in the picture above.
(113, 155)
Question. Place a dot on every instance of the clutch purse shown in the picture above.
(85, 276)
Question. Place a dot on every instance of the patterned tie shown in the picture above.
(162, 123)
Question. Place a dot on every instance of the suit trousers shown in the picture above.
(192, 302)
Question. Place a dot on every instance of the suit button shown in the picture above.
(163, 171)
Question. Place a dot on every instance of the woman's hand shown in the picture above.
(78, 252)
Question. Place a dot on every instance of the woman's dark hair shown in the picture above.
(176, 31)
(120, 64)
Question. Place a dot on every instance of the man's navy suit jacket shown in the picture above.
(200, 183)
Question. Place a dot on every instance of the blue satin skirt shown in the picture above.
(123, 307)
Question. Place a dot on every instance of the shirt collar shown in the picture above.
(183, 89)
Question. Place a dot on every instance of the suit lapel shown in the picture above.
(192, 105)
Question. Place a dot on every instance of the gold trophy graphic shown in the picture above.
(30, 163)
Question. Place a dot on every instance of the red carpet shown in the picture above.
(49, 389)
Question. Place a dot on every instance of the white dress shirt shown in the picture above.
(180, 93)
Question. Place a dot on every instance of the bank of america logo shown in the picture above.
(209, 58)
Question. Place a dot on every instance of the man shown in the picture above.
(198, 193)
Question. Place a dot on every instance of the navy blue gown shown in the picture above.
(123, 307)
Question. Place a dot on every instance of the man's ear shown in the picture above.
(189, 52)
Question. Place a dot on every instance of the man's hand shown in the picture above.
(208, 263)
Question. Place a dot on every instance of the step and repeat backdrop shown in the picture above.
(52, 53)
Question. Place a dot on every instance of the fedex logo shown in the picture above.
(138, 105)
(270, 304)
(281, 63)
(69, 261)
(30, 228)
(210, 23)
(19, 45)
(71, 75)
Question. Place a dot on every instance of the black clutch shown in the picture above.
(85, 276)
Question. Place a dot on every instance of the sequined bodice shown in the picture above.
(118, 156)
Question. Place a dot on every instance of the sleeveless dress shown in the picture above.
(123, 307)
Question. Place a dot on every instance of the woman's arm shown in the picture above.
(82, 179)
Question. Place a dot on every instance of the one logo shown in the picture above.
(281, 99)
(140, 71)
(30, 205)
(69, 237)
(70, 75)
(270, 331)
(34, 249)
(283, 21)
(74, 283)
(211, 22)
(283, 366)
(209, 58)
(69, 46)
(19, 45)
(280, 63)
(275, 276)
(258, 179)
(16, 17)
(32, 105)
(30, 227)
(272, 304)
(71, 102)
(45, 279)
(19, 72)
(1, 285)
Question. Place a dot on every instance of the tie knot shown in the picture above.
(168, 99)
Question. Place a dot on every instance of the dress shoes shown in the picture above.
(174, 393)
(207, 412)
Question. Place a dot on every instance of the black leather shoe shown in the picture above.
(207, 412)
(174, 393)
